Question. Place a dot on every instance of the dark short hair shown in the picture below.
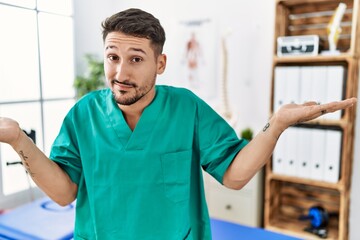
(137, 23)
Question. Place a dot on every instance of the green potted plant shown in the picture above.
(247, 134)
(93, 79)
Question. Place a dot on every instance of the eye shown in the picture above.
(136, 59)
(113, 57)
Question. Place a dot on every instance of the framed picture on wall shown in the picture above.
(197, 57)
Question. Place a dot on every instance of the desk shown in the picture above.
(222, 230)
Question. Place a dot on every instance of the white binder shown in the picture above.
(304, 152)
(306, 88)
(292, 84)
(279, 155)
(291, 151)
(320, 84)
(317, 154)
(334, 88)
(287, 86)
(279, 87)
(332, 156)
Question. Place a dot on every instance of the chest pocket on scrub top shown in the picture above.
(176, 168)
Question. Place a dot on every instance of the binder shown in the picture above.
(334, 88)
(279, 87)
(287, 86)
(306, 88)
(320, 84)
(332, 156)
(291, 148)
(292, 85)
(279, 155)
(304, 152)
(317, 154)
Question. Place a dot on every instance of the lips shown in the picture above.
(123, 86)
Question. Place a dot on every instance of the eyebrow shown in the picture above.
(110, 47)
(138, 50)
(131, 49)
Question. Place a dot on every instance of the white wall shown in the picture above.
(250, 52)
(88, 15)
(250, 44)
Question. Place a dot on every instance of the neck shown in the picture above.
(132, 113)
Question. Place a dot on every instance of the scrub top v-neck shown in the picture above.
(146, 183)
(136, 139)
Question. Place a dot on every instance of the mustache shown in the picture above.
(126, 82)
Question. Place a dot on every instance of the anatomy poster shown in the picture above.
(197, 57)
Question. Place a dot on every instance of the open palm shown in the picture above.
(291, 114)
(9, 130)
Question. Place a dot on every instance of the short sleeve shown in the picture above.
(65, 151)
(218, 142)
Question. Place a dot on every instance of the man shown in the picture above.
(132, 154)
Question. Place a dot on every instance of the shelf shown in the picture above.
(326, 123)
(311, 17)
(287, 197)
(296, 228)
(293, 3)
(290, 200)
(344, 57)
(311, 182)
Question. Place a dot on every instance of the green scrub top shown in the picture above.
(144, 184)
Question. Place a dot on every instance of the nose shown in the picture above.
(121, 72)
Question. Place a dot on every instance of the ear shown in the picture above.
(161, 63)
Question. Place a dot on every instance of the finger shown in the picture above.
(315, 110)
(335, 106)
(351, 101)
(310, 103)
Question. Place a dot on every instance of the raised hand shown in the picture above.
(9, 131)
(291, 114)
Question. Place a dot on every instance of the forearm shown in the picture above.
(45, 173)
(253, 156)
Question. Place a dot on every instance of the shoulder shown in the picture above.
(94, 96)
(178, 93)
(91, 102)
(182, 99)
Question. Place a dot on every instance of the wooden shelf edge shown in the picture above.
(298, 2)
(341, 123)
(298, 234)
(336, 186)
(344, 57)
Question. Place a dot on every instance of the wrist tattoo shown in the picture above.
(266, 127)
(25, 163)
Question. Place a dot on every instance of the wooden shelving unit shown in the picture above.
(286, 197)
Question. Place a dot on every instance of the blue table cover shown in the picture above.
(40, 219)
(222, 230)
(44, 219)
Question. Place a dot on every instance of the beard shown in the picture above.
(130, 97)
